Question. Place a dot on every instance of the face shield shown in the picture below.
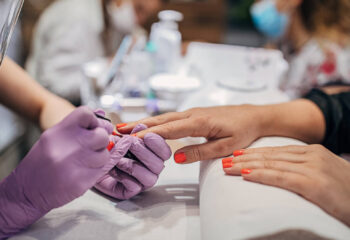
(9, 26)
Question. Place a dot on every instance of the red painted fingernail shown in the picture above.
(227, 165)
(180, 157)
(114, 133)
(238, 153)
(121, 125)
(110, 146)
(246, 171)
(227, 160)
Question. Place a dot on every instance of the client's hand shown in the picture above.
(311, 171)
(225, 128)
(134, 174)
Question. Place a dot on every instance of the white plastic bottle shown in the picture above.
(166, 37)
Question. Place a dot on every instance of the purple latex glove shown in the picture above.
(103, 123)
(67, 160)
(130, 177)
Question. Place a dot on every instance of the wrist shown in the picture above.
(54, 111)
(16, 211)
(299, 119)
(263, 117)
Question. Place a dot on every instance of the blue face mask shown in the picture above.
(268, 19)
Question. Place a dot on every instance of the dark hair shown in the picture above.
(325, 14)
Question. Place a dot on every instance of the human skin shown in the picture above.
(143, 9)
(311, 171)
(235, 127)
(25, 96)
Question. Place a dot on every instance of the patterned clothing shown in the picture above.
(319, 63)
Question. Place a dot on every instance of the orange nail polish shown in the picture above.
(121, 125)
(110, 146)
(238, 153)
(227, 165)
(227, 160)
(246, 171)
(134, 135)
(180, 157)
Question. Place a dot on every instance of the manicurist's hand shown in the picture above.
(139, 169)
(67, 160)
(225, 128)
(311, 171)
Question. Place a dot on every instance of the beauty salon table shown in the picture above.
(198, 201)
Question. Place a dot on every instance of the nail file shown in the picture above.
(129, 154)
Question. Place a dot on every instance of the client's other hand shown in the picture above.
(311, 171)
(225, 128)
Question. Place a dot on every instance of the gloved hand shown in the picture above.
(132, 176)
(67, 160)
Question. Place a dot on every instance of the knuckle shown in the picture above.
(265, 156)
(197, 154)
(220, 148)
(195, 110)
(201, 120)
(316, 147)
(281, 178)
(166, 130)
(269, 164)
(159, 119)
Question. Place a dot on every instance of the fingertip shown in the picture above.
(100, 112)
(140, 134)
(246, 171)
(125, 128)
(110, 146)
(138, 128)
(180, 157)
(158, 145)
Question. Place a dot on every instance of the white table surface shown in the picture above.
(171, 209)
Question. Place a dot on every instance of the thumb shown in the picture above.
(206, 151)
(104, 123)
(84, 117)
(122, 146)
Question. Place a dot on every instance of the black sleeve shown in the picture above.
(336, 110)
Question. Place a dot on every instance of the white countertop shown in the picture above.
(171, 209)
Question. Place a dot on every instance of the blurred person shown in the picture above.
(73, 32)
(314, 36)
(314, 171)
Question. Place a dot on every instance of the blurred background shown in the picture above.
(214, 21)
(138, 58)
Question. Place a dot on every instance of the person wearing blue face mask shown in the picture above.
(314, 37)
(269, 20)
(73, 32)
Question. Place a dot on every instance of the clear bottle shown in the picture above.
(166, 37)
